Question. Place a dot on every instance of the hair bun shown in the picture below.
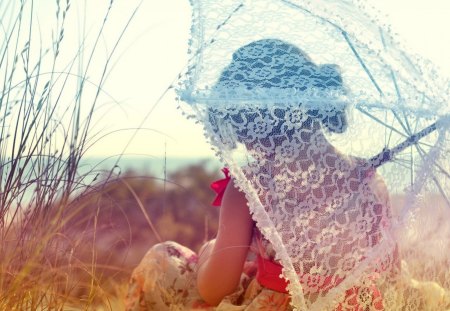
(329, 76)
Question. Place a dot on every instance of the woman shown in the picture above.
(297, 203)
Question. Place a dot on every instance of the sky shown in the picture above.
(154, 50)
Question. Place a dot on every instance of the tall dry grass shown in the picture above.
(49, 97)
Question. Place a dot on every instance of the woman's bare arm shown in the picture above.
(221, 262)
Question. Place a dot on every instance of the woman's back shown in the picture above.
(329, 212)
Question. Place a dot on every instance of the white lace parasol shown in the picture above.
(337, 137)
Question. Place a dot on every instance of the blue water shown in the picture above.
(144, 165)
(91, 169)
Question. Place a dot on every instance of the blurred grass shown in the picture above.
(52, 253)
(84, 257)
(70, 240)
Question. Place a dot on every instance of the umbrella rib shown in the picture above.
(347, 39)
(390, 135)
(408, 126)
(421, 153)
(401, 160)
(405, 127)
(361, 62)
(399, 120)
(410, 63)
(380, 121)
(394, 78)
(218, 27)
(311, 13)
(441, 169)
(228, 18)
(397, 90)
(403, 163)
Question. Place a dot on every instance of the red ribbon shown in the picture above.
(219, 187)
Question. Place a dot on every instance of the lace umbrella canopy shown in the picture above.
(337, 137)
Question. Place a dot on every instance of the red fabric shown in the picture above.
(268, 275)
(219, 187)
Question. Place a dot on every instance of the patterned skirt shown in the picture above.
(165, 280)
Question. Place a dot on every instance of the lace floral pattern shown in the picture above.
(296, 97)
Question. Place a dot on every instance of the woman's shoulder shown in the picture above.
(233, 193)
(226, 186)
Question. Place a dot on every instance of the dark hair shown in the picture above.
(273, 63)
